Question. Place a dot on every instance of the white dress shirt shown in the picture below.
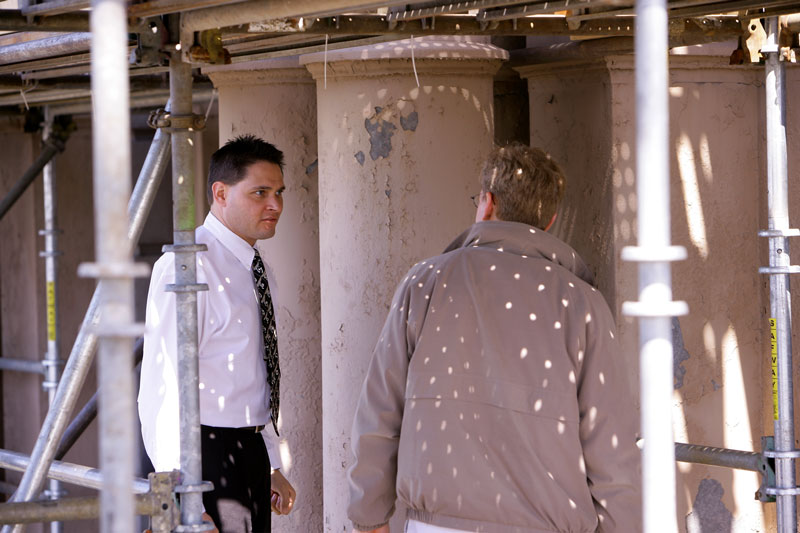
(233, 381)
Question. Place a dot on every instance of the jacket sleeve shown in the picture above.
(608, 426)
(378, 417)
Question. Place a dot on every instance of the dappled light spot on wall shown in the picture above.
(548, 364)
(532, 316)
(557, 325)
(691, 193)
(508, 305)
(564, 302)
(541, 287)
(516, 275)
(221, 403)
(523, 353)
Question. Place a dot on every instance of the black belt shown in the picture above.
(253, 429)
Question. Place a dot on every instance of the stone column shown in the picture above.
(583, 113)
(275, 100)
(398, 163)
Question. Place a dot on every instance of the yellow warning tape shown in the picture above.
(773, 344)
(51, 311)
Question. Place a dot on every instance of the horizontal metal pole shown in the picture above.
(85, 508)
(709, 455)
(21, 365)
(54, 7)
(47, 47)
(137, 102)
(14, 20)
(80, 475)
(452, 7)
(222, 16)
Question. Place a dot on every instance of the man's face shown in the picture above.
(251, 207)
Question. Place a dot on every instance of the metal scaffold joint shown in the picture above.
(169, 122)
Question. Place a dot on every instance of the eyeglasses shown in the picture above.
(475, 199)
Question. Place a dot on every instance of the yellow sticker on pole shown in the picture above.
(51, 311)
(773, 344)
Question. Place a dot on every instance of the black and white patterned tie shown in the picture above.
(270, 337)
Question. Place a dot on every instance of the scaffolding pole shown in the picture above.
(185, 288)
(82, 476)
(83, 349)
(654, 254)
(52, 360)
(50, 147)
(111, 147)
(779, 289)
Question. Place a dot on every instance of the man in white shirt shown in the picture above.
(237, 346)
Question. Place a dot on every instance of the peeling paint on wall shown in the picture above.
(410, 122)
(360, 157)
(312, 167)
(709, 514)
(679, 354)
(380, 135)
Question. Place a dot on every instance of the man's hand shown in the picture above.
(382, 529)
(210, 521)
(283, 494)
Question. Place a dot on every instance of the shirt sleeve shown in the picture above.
(608, 428)
(158, 388)
(272, 441)
(378, 419)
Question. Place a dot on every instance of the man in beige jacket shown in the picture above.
(496, 399)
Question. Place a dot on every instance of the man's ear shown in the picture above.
(488, 207)
(219, 192)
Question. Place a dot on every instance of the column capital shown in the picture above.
(439, 55)
(262, 72)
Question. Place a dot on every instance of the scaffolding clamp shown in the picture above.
(161, 118)
(168, 515)
(768, 489)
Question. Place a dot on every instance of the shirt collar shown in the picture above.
(232, 242)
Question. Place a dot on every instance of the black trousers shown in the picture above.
(236, 461)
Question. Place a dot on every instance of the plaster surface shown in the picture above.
(278, 105)
(398, 163)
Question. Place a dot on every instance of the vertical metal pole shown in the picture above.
(183, 217)
(780, 296)
(654, 252)
(112, 185)
(80, 358)
(51, 360)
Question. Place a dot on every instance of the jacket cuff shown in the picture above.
(361, 527)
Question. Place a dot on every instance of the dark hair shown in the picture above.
(527, 185)
(229, 163)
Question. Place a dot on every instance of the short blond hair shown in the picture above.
(526, 183)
